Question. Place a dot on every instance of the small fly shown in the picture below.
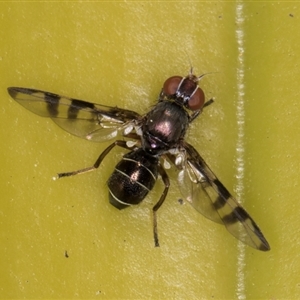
(154, 141)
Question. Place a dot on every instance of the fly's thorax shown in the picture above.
(163, 127)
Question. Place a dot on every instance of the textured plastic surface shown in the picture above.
(62, 238)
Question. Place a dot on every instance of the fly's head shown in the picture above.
(185, 91)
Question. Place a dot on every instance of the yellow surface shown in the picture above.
(120, 54)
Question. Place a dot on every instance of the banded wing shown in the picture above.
(84, 119)
(202, 189)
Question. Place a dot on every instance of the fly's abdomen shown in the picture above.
(134, 176)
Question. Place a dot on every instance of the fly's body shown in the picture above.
(156, 140)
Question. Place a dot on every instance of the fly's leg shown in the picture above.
(198, 112)
(209, 102)
(166, 181)
(119, 143)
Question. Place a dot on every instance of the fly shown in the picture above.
(153, 140)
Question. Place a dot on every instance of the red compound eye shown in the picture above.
(186, 90)
(171, 85)
(197, 100)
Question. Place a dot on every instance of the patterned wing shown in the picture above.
(202, 189)
(84, 119)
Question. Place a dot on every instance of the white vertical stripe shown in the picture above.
(240, 116)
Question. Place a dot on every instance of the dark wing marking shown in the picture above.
(84, 119)
(203, 190)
